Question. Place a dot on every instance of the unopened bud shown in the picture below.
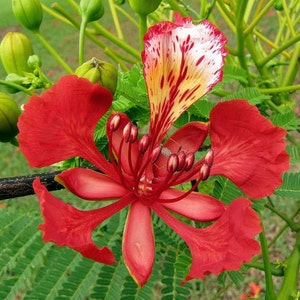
(98, 71)
(115, 122)
(144, 143)
(144, 7)
(29, 13)
(15, 50)
(34, 62)
(172, 163)
(9, 113)
(91, 10)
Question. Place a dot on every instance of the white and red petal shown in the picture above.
(248, 148)
(65, 225)
(60, 123)
(195, 206)
(138, 243)
(90, 185)
(182, 62)
(224, 245)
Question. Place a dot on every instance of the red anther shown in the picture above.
(115, 122)
(144, 143)
(155, 154)
(204, 171)
(127, 132)
(172, 163)
(209, 158)
(133, 133)
(181, 160)
(189, 161)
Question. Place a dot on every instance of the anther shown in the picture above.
(204, 171)
(172, 163)
(155, 154)
(115, 122)
(144, 143)
(133, 134)
(181, 160)
(209, 158)
(127, 132)
(189, 161)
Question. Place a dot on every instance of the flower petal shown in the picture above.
(138, 243)
(248, 148)
(195, 206)
(60, 123)
(91, 185)
(67, 226)
(182, 62)
(188, 138)
(224, 245)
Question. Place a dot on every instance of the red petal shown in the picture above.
(60, 123)
(248, 148)
(91, 185)
(138, 243)
(67, 226)
(195, 206)
(188, 138)
(224, 245)
(182, 62)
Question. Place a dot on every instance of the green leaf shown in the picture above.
(202, 108)
(233, 73)
(251, 94)
(294, 153)
(286, 120)
(290, 187)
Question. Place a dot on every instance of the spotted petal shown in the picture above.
(248, 148)
(67, 226)
(182, 62)
(60, 123)
(224, 245)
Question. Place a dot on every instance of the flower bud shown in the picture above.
(15, 49)
(98, 71)
(15, 78)
(91, 10)
(34, 62)
(29, 13)
(9, 113)
(144, 7)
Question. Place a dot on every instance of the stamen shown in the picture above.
(189, 161)
(144, 143)
(115, 122)
(127, 132)
(133, 134)
(172, 163)
(209, 158)
(181, 160)
(155, 154)
(204, 171)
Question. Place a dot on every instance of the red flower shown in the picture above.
(182, 62)
(254, 291)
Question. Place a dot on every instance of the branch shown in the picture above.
(21, 186)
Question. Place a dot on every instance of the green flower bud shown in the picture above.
(9, 113)
(15, 78)
(278, 5)
(91, 10)
(144, 7)
(34, 62)
(98, 71)
(29, 13)
(15, 49)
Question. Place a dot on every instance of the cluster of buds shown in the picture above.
(98, 71)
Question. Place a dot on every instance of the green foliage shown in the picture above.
(290, 187)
